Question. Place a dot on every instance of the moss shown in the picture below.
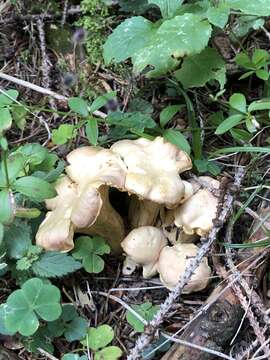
(95, 14)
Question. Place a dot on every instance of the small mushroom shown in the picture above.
(142, 247)
(172, 263)
(196, 214)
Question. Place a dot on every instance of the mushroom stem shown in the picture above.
(142, 212)
(108, 224)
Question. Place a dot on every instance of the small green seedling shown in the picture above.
(241, 114)
(97, 340)
(256, 64)
(88, 249)
(146, 311)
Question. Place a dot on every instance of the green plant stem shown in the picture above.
(6, 168)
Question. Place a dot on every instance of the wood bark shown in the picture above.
(215, 327)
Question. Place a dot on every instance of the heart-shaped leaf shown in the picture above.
(98, 338)
(109, 353)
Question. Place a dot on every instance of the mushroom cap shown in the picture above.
(143, 246)
(173, 262)
(56, 231)
(91, 167)
(96, 166)
(153, 169)
(197, 213)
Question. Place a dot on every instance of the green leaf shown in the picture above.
(35, 188)
(135, 120)
(159, 47)
(74, 357)
(1, 234)
(146, 311)
(247, 149)
(229, 123)
(259, 105)
(260, 57)
(262, 74)
(240, 135)
(88, 250)
(129, 37)
(141, 105)
(134, 6)
(101, 101)
(3, 329)
(168, 113)
(18, 238)
(7, 208)
(168, 8)
(35, 299)
(79, 106)
(109, 353)
(218, 15)
(8, 98)
(259, 7)
(91, 129)
(242, 59)
(63, 134)
(99, 337)
(181, 36)
(175, 137)
(19, 113)
(15, 164)
(70, 324)
(5, 120)
(54, 264)
(238, 102)
(198, 69)
(34, 154)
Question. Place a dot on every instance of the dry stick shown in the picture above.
(243, 301)
(43, 91)
(46, 68)
(64, 17)
(146, 338)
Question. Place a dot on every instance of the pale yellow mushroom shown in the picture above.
(142, 247)
(56, 231)
(196, 214)
(86, 208)
(153, 169)
(172, 263)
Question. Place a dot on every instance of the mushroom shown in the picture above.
(142, 247)
(142, 212)
(172, 263)
(56, 231)
(153, 169)
(171, 231)
(196, 214)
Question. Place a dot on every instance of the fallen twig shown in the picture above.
(223, 213)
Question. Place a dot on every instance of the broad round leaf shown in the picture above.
(109, 353)
(238, 102)
(98, 338)
(34, 298)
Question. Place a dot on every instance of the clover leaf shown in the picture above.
(88, 250)
(25, 306)
(70, 324)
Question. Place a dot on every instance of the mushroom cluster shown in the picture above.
(166, 214)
